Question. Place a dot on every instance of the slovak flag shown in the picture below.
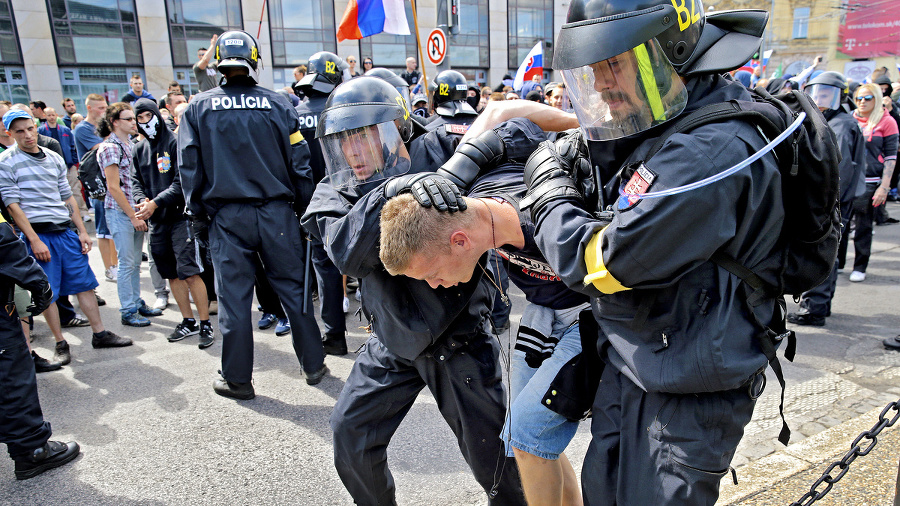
(369, 17)
(532, 66)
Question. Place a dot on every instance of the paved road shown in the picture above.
(153, 432)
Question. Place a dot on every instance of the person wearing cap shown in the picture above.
(250, 188)
(681, 343)
(420, 105)
(37, 195)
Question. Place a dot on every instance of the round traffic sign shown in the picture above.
(436, 47)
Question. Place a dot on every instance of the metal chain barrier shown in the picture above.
(856, 450)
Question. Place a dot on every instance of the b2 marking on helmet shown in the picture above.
(329, 67)
(686, 18)
(444, 89)
(403, 105)
(254, 53)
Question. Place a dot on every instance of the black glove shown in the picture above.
(549, 177)
(41, 296)
(429, 189)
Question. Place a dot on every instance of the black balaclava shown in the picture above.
(152, 130)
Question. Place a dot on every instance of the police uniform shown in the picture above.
(22, 424)
(420, 337)
(330, 281)
(250, 186)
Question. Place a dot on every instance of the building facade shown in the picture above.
(50, 49)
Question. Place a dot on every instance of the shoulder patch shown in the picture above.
(456, 129)
(641, 181)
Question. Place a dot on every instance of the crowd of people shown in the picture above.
(433, 199)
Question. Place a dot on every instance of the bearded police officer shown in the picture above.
(325, 71)
(681, 342)
(420, 336)
(250, 187)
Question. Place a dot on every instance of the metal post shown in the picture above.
(897, 487)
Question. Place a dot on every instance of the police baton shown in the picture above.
(307, 265)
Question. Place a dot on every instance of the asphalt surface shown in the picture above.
(153, 432)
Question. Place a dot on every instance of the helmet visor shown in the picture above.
(364, 155)
(625, 94)
(825, 96)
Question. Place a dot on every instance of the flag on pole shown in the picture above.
(533, 65)
(369, 17)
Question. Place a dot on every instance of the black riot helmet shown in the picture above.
(325, 70)
(396, 81)
(448, 94)
(362, 131)
(827, 89)
(237, 48)
(622, 60)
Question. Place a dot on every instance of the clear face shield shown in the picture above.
(625, 94)
(364, 155)
(824, 95)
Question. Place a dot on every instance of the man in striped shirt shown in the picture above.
(37, 194)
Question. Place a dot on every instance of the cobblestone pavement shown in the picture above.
(153, 432)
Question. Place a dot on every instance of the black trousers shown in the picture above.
(464, 378)
(818, 300)
(864, 219)
(331, 292)
(239, 233)
(22, 424)
(657, 448)
(265, 294)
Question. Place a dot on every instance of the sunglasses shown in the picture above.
(367, 63)
(867, 98)
(123, 118)
(351, 61)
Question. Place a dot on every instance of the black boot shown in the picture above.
(334, 345)
(52, 454)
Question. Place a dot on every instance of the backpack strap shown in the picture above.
(767, 338)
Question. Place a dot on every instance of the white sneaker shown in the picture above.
(112, 274)
(162, 302)
(346, 305)
(857, 276)
(358, 294)
(86, 217)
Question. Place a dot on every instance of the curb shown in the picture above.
(825, 446)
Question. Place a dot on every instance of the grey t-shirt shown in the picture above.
(207, 78)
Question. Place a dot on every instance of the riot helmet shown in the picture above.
(448, 93)
(325, 70)
(827, 89)
(622, 60)
(237, 48)
(396, 81)
(362, 132)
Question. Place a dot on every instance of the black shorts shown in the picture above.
(174, 249)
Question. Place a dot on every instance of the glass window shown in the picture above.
(193, 22)
(388, 50)
(95, 32)
(530, 21)
(300, 29)
(471, 46)
(9, 41)
(111, 82)
(187, 80)
(801, 23)
(13, 85)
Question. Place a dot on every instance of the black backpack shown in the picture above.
(91, 174)
(808, 161)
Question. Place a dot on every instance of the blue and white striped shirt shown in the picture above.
(39, 186)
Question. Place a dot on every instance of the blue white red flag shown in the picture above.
(533, 65)
(369, 17)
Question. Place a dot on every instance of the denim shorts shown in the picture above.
(530, 426)
(100, 220)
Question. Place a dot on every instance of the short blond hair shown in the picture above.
(408, 228)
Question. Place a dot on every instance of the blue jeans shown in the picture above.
(530, 426)
(129, 243)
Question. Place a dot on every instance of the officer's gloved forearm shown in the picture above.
(41, 295)
(473, 158)
(429, 189)
(548, 177)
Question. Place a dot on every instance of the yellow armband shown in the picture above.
(597, 275)
(296, 137)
